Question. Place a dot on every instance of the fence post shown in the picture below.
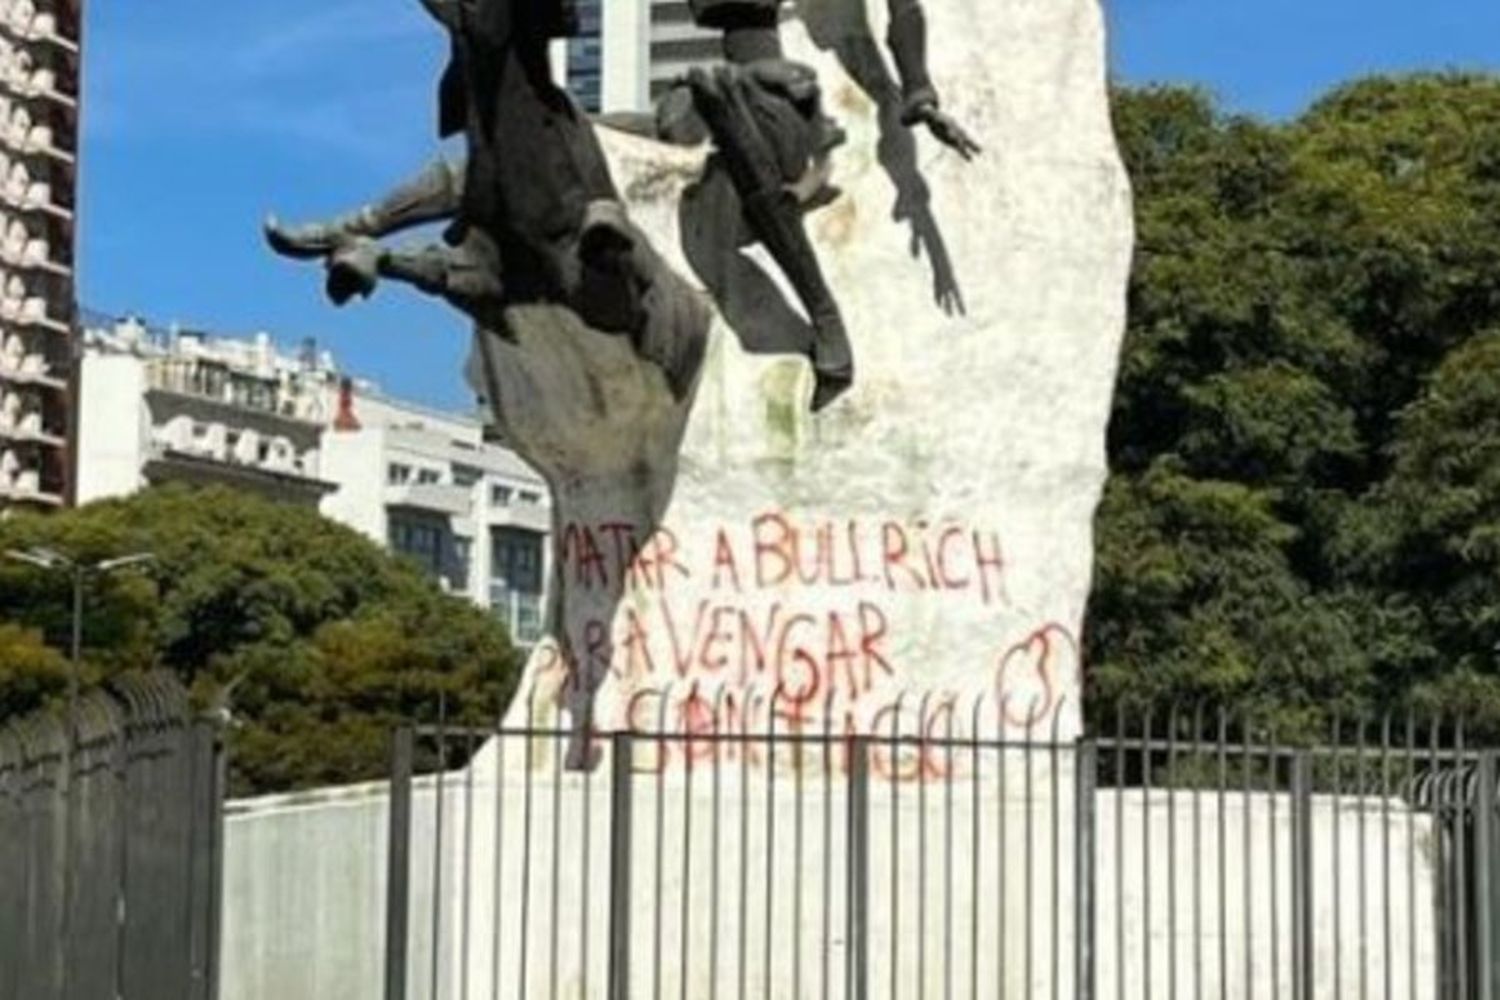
(1086, 759)
(398, 861)
(622, 766)
(197, 742)
(1484, 877)
(1302, 894)
(219, 751)
(859, 869)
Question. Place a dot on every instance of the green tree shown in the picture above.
(318, 639)
(1297, 519)
(1430, 536)
(32, 673)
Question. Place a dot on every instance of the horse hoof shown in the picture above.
(353, 270)
(300, 242)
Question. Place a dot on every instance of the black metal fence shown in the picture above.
(109, 849)
(965, 853)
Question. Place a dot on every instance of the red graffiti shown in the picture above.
(807, 656)
(785, 623)
(612, 554)
(894, 556)
(1028, 675)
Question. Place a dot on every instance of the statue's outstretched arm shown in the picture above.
(907, 38)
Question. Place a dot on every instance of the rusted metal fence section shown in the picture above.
(1182, 855)
(110, 833)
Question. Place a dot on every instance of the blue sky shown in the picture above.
(202, 117)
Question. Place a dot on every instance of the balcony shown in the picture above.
(31, 26)
(30, 311)
(173, 465)
(437, 498)
(38, 85)
(39, 143)
(29, 473)
(40, 75)
(532, 517)
(213, 392)
(31, 376)
(22, 250)
(23, 193)
(18, 434)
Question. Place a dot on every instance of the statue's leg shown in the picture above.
(776, 218)
(430, 196)
(464, 275)
(714, 232)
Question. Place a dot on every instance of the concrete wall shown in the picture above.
(304, 894)
(356, 461)
(1164, 877)
(113, 427)
(748, 896)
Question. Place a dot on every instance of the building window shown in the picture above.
(398, 474)
(466, 475)
(429, 477)
(420, 540)
(500, 495)
(516, 582)
(585, 57)
(530, 498)
(211, 380)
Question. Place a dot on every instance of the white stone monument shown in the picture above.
(931, 532)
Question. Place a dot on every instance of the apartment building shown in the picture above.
(39, 94)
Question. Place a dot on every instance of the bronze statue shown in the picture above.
(534, 214)
(770, 167)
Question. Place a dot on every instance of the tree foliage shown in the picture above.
(314, 639)
(1304, 513)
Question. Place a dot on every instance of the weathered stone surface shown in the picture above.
(930, 533)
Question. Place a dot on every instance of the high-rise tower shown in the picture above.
(39, 97)
(631, 49)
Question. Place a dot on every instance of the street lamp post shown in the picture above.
(78, 573)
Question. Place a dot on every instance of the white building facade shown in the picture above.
(176, 405)
(39, 52)
(427, 484)
(158, 406)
